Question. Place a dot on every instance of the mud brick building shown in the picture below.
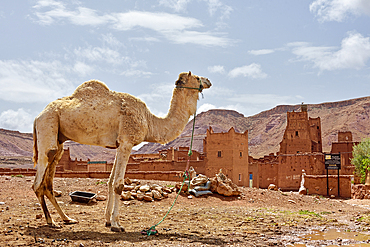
(302, 134)
(300, 149)
(227, 151)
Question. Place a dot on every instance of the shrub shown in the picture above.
(361, 158)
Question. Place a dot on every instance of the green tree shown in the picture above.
(361, 158)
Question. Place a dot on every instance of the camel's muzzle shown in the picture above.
(205, 82)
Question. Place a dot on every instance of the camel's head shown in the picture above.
(191, 81)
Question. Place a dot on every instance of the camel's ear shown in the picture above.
(189, 73)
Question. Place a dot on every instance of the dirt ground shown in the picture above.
(257, 218)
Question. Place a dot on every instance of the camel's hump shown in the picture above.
(91, 88)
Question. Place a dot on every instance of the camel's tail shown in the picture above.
(35, 151)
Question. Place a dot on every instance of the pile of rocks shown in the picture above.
(224, 186)
(360, 191)
(200, 184)
(133, 189)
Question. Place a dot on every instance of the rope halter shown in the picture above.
(200, 88)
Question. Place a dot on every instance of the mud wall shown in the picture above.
(317, 185)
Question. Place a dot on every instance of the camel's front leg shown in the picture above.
(109, 207)
(122, 156)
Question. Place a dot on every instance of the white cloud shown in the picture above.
(110, 40)
(199, 38)
(159, 92)
(353, 53)
(137, 73)
(120, 21)
(173, 27)
(82, 69)
(205, 107)
(100, 54)
(82, 16)
(34, 81)
(265, 99)
(20, 120)
(250, 104)
(253, 71)
(146, 39)
(213, 6)
(216, 69)
(339, 10)
(159, 22)
(261, 52)
(217, 5)
(176, 5)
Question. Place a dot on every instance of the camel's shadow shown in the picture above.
(110, 237)
(214, 195)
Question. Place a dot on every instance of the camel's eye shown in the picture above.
(179, 82)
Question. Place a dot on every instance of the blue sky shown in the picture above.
(258, 54)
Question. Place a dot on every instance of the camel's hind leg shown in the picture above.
(44, 185)
(49, 192)
(39, 186)
(48, 152)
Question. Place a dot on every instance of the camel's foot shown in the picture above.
(117, 229)
(53, 225)
(70, 221)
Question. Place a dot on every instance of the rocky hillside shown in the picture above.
(266, 129)
(19, 145)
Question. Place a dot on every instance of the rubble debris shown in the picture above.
(272, 187)
(133, 189)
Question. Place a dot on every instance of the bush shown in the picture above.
(361, 158)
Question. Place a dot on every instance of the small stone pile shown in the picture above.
(224, 186)
(133, 189)
(219, 184)
(360, 191)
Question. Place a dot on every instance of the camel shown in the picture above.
(95, 115)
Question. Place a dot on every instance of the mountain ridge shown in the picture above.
(265, 130)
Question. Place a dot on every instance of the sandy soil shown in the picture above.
(257, 218)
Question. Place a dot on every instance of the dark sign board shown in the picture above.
(332, 161)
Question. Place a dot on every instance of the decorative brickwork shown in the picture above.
(302, 134)
(227, 151)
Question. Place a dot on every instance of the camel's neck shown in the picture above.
(183, 105)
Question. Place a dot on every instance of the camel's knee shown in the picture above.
(118, 188)
(51, 155)
(39, 177)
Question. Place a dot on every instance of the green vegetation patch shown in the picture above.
(306, 212)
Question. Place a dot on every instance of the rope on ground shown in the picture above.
(152, 230)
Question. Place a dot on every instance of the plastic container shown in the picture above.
(80, 196)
